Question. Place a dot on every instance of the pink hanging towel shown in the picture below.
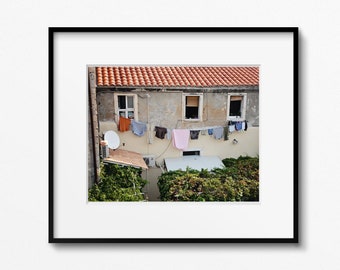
(180, 138)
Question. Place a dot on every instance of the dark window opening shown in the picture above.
(235, 108)
(191, 113)
(121, 102)
(191, 107)
(192, 153)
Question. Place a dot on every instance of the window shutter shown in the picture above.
(235, 98)
(192, 101)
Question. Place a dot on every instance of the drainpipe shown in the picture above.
(94, 121)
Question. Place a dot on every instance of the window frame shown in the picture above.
(135, 105)
(243, 107)
(200, 107)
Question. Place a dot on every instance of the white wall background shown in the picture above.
(24, 130)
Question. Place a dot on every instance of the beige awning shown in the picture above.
(127, 158)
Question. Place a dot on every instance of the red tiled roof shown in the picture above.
(177, 76)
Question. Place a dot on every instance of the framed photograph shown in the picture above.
(173, 135)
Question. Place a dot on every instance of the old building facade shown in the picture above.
(159, 101)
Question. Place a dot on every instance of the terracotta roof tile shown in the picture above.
(177, 76)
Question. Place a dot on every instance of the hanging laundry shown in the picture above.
(218, 133)
(124, 124)
(245, 125)
(180, 138)
(160, 132)
(238, 126)
(194, 134)
(168, 134)
(138, 128)
(231, 128)
(210, 131)
(203, 132)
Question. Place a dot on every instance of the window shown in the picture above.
(192, 153)
(126, 105)
(236, 106)
(192, 107)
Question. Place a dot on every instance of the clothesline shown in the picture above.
(139, 128)
(203, 128)
(127, 121)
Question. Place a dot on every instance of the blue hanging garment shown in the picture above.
(138, 128)
(238, 126)
(218, 133)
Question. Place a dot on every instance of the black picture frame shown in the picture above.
(53, 31)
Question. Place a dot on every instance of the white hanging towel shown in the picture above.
(243, 125)
(180, 138)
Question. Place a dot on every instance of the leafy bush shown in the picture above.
(238, 181)
(242, 167)
(118, 183)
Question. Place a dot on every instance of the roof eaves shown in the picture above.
(179, 88)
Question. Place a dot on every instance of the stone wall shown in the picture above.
(93, 127)
(165, 109)
(90, 158)
(252, 109)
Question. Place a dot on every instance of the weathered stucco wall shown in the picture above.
(248, 142)
(90, 158)
(105, 106)
(160, 109)
(165, 109)
(252, 109)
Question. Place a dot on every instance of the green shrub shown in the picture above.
(238, 181)
(118, 183)
(243, 167)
